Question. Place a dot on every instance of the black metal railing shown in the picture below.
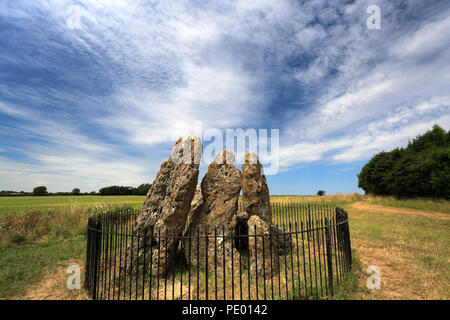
(305, 256)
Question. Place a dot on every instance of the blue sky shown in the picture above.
(94, 93)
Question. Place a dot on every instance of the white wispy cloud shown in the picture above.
(397, 98)
(67, 171)
(389, 131)
(110, 85)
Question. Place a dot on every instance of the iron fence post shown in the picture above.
(329, 255)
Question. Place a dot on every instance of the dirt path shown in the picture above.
(53, 286)
(368, 207)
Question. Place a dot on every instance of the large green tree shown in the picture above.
(40, 191)
(422, 169)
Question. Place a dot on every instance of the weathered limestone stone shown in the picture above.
(167, 205)
(265, 249)
(196, 204)
(255, 192)
(220, 189)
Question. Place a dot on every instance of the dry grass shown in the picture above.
(34, 243)
(412, 250)
(16, 228)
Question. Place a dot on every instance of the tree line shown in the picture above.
(121, 190)
(422, 169)
(106, 191)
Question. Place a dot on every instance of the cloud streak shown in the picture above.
(95, 92)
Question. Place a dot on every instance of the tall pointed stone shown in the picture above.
(255, 192)
(167, 205)
(220, 187)
(256, 203)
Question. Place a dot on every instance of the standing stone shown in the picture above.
(196, 204)
(220, 187)
(266, 241)
(255, 192)
(167, 205)
(265, 253)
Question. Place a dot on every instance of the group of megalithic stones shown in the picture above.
(175, 201)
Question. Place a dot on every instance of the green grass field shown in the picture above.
(41, 236)
(43, 204)
(40, 232)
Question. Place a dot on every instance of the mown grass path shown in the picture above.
(368, 207)
(411, 247)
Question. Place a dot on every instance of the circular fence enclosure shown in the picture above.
(306, 260)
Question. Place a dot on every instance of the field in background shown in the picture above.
(332, 200)
(46, 203)
(41, 236)
(43, 204)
